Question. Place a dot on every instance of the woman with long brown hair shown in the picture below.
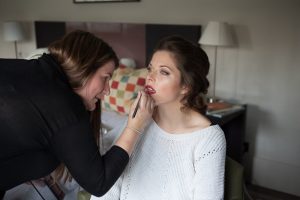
(181, 156)
(50, 116)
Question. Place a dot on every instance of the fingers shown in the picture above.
(134, 105)
(149, 103)
(152, 105)
(144, 103)
(141, 111)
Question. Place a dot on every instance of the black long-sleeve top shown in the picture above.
(43, 123)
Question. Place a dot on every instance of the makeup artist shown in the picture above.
(50, 116)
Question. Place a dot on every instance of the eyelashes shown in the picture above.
(106, 79)
(161, 71)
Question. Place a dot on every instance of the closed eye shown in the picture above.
(164, 72)
(106, 78)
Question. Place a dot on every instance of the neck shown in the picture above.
(173, 120)
(170, 117)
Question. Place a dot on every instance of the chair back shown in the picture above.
(234, 180)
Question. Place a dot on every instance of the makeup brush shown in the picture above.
(136, 107)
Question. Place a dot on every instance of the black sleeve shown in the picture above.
(76, 148)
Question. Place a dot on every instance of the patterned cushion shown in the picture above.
(124, 87)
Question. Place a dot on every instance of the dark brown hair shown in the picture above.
(80, 54)
(193, 65)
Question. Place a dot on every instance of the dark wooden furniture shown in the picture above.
(234, 127)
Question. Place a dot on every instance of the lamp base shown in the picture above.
(212, 100)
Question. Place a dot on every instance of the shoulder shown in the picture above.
(59, 105)
(215, 133)
(17, 70)
(212, 142)
(212, 135)
(65, 104)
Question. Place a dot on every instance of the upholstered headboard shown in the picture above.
(154, 32)
(130, 40)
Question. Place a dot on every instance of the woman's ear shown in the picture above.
(184, 89)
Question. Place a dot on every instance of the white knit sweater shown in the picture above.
(174, 166)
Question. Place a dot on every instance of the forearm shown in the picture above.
(76, 148)
(113, 193)
(136, 123)
(128, 139)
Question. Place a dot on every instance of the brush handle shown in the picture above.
(136, 107)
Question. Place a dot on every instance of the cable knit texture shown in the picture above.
(168, 166)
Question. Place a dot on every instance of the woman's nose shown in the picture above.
(150, 76)
(106, 90)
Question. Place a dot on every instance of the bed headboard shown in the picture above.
(127, 39)
(154, 32)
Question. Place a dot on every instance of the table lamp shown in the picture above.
(216, 34)
(13, 32)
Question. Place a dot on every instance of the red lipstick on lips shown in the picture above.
(149, 90)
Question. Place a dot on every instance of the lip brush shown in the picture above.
(136, 107)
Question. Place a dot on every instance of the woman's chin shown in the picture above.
(91, 107)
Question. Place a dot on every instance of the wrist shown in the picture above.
(134, 130)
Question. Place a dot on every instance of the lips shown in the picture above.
(149, 90)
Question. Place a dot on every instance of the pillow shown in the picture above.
(124, 87)
(129, 62)
(37, 53)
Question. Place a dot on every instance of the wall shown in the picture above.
(261, 71)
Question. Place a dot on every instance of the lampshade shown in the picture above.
(128, 62)
(13, 31)
(217, 34)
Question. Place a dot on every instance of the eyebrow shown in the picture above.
(160, 66)
(166, 67)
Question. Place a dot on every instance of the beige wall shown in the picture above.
(262, 71)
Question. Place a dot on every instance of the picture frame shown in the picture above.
(103, 1)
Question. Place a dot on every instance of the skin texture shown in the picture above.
(97, 86)
(164, 79)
